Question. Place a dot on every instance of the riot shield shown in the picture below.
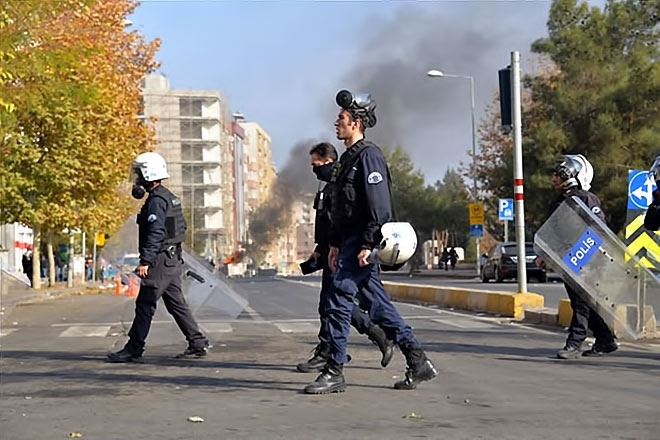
(592, 260)
(211, 299)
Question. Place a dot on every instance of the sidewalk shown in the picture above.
(14, 293)
(463, 271)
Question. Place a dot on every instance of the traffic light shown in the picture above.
(505, 97)
(100, 238)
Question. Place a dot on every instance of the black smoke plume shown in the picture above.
(431, 117)
(292, 182)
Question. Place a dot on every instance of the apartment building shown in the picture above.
(260, 171)
(296, 243)
(191, 128)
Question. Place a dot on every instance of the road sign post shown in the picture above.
(505, 214)
(477, 220)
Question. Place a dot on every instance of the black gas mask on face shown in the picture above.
(324, 172)
(360, 106)
(140, 186)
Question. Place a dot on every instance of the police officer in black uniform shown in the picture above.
(323, 159)
(361, 204)
(161, 232)
(572, 177)
(652, 216)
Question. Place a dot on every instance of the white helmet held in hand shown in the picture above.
(151, 167)
(398, 244)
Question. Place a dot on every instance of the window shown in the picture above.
(191, 175)
(191, 129)
(190, 107)
(191, 152)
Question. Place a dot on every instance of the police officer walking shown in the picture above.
(323, 159)
(652, 216)
(572, 177)
(161, 232)
(360, 207)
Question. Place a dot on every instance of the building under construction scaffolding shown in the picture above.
(193, 128)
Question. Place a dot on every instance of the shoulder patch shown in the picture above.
(374, 178)
(152, 218)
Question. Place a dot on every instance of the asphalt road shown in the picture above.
(497, 380)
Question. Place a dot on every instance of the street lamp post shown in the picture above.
(439, 74)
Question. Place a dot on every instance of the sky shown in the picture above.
(282, 63)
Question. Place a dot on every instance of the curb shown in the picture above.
(7, 305)
(506, 304)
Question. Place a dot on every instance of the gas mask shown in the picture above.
(140, 186)
(360, 106)
(324, 172)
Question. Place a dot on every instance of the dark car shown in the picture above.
(502, 264)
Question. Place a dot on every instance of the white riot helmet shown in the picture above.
(397, 246)
(575, 170)
(151, 167)
(148, 167)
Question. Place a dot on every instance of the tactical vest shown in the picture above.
(175, 223)
(343, 193)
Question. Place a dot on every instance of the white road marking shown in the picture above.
(216, 327)
(466, 324)
(7, 331)
(296, 327)
(78, 331)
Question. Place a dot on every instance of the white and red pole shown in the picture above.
(518, 188)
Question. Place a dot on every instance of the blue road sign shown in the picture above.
(477, 230)
(640, 189)
(505, 209)
(582, 251)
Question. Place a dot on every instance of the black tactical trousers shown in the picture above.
(163, 280)
(584, 318)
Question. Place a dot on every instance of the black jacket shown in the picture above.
(361, 201)
(590, 199)
(652, 217)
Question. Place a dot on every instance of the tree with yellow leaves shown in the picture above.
(74, 126)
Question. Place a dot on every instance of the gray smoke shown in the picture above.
(292, 182)
(430, 117)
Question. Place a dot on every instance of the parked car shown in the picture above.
(502, 264)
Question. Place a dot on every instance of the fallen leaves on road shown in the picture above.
(195, 419)
(75, 434)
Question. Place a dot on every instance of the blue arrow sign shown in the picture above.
(505, 209)
(477, 230)
(640, 189)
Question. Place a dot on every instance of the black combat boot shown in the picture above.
(125, 355)
(377, 335)
(316, 362)
(569, 352)
(420, 368)
(331, 380)
(194, 352)
(600, 349)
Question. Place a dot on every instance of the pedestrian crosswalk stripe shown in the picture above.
(297, 327)
(216, 327)
(79, 331)
(466, 324)
(6, 331)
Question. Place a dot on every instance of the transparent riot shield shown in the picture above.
(211, 299)
(592, 260)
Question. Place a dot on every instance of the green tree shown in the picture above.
(602, 100)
